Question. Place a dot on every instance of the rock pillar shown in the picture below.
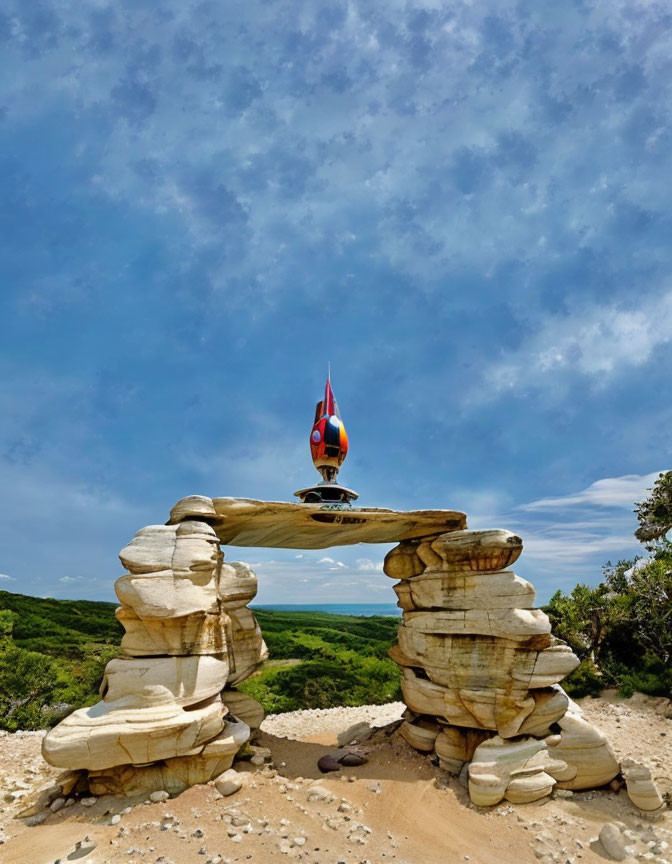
(166, 719)
(481, 671)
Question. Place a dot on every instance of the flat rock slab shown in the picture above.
(246, 522)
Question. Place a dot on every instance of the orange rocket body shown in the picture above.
(328, 438)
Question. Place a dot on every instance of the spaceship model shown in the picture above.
(328, 447)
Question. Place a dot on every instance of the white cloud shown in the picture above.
(608, 492)
(595, 341)
(366, 565)
(327, 560)
(5, 576)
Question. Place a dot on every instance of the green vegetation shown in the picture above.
(52, 657)
(53, 653)
(343, 661)
(622, 629)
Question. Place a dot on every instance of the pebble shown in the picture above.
(328, 763)
(228, 783)
(88, 802)
(56, 805)
(612, 841)
(115, 820)
(159, 795)
(353, 759)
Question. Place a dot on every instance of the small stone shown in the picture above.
(56, 805)
(359, 733)
(612, 841)
(328, 763)
(352, 759)
(228, 783)
(115, 820)
(159, 795)
(88, 802)
(264, 752)
(37, 819)
(299, 841)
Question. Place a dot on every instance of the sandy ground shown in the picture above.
(397, 808)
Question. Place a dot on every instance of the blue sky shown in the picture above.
(464, 207)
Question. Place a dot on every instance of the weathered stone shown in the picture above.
(328, 763)
(510, 624)
(482, 662)
(199, 633)
(146, 727)
(190, 546)
(192, 507)
(586, 751)
(465, 590)
(244, 707)
(484, 551)
(228, 783)
(640, 786)
(522, 771)
(550, 704)
(158, 796)
(352, 760)
(613, 842)
(165, 594)
(247, 649)
(161, 701)
(455, 746)
(355, 734)
(421, 733)
(150, 550)
(247, 522)
(188, 679)
(403, 561)
(172, 775)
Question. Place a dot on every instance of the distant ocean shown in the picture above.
(366, 609)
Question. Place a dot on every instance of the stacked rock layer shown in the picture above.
(167, 719)
(481, 672)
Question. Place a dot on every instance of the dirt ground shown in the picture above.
(398, 807)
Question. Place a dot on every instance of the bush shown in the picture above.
(585, 680)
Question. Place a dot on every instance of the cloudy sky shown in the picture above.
(463, 206)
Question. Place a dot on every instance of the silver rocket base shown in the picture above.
(327, 493)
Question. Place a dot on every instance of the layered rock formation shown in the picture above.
(481, 671)
(168, 718)
(480, 668)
